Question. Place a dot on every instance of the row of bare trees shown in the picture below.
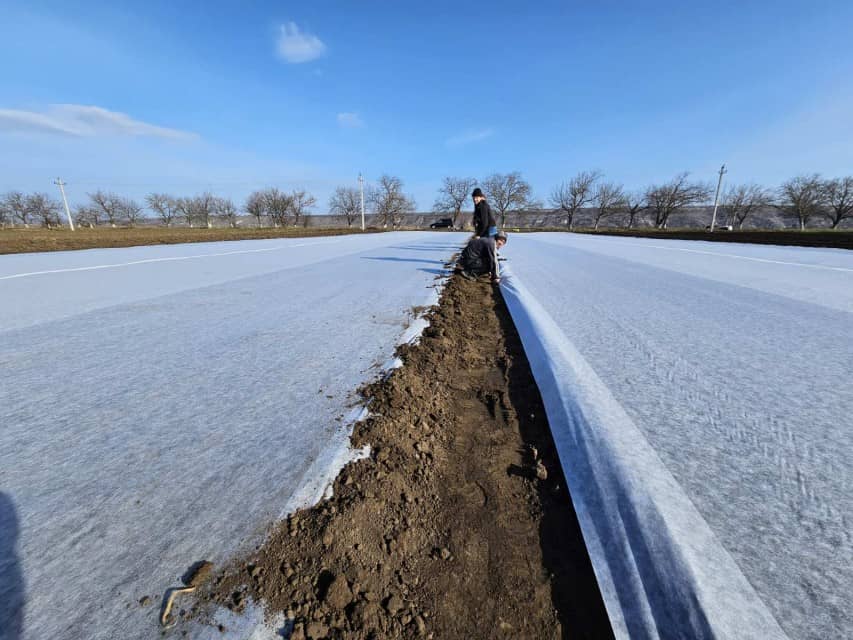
(506, 192)
(802, 198)
(385, 200)
(279, 207)
(809, 196)
(18, 208)
(272, 204)
(607, 199)
(107, 208)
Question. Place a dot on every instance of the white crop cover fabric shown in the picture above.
(693, 392)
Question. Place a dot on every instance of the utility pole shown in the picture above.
(717, 198)
(58, 182)
(361, 191)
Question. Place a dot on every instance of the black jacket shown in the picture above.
(483, 218)
(480, 256)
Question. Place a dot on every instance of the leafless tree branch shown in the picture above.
(164, 205)
(741, 201)
(570, 197)
(838, 194)
(668, 198)
(389, 202)
(345, 201)
(508, 192)
(802, 197)
(609, 200)
(452, 196)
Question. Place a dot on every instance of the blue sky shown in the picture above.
(184, 97)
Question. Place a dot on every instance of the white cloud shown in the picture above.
(83, 121)
(350, 121)
(467, 137)
(296, 46)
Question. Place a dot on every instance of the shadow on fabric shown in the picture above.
(11, 577)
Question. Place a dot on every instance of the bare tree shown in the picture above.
(225, 209)
(609, 200)
(202, 208)
(131, 211)
(508, 192)
(87, 216)
(741, 201)
(41, 206)
(838, 194)
(164, 205)
(345, 201)
(802, 197)
(452, 195)
(633, 207)
(570, 197)
(183, 209)
(255, 205)
(389, 202)
(110, 205)
(301, 202)
(196, 210)
(666, 199)
(277, 205)
(14, 206)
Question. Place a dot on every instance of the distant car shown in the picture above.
(444, 223)
(720, 227)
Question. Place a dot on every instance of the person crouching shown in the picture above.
(480, 257)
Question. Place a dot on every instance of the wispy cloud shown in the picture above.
(350, 121)
(470, 136)
(296, 46)
(83, 121)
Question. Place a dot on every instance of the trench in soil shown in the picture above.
(459, 525)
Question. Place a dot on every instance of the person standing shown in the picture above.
(484, 222)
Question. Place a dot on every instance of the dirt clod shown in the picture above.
(393, 604)
(317, 630)
(338, 595)
(448, 530)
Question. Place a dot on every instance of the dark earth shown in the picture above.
(459, 525)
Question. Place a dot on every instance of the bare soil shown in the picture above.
(459, 525)
(34, 240)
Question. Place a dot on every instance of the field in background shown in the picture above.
(34, 240)
(831, 239)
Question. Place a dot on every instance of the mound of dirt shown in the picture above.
(458, 526)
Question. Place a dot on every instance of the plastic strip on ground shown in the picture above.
(661, 570)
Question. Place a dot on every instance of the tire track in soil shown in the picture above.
(446, 531)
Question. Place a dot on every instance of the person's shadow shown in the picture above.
(11, 576)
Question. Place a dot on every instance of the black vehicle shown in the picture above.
(444, 223)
